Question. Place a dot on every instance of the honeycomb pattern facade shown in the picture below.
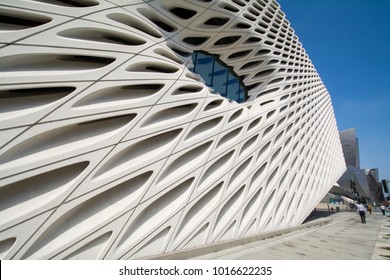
(112, 149)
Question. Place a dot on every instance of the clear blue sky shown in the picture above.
(348, 41)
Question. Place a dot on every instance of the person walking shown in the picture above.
(362, 212)
(382, 207)
(369, 208)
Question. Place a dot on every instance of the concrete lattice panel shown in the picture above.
(112, 149)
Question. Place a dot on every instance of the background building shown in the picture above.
(350, 144)
(112, 148)
(357, 183)
(384, 194)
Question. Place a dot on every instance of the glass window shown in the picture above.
(219, 76)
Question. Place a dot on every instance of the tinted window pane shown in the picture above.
(218, 76)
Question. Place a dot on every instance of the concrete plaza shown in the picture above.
(340, 236)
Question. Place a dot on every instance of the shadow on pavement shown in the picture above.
(315, 214)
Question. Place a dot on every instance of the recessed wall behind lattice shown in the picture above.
(111, 148)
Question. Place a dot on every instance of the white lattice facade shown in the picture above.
(111, 148)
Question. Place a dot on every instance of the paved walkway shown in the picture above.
(344, 237)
